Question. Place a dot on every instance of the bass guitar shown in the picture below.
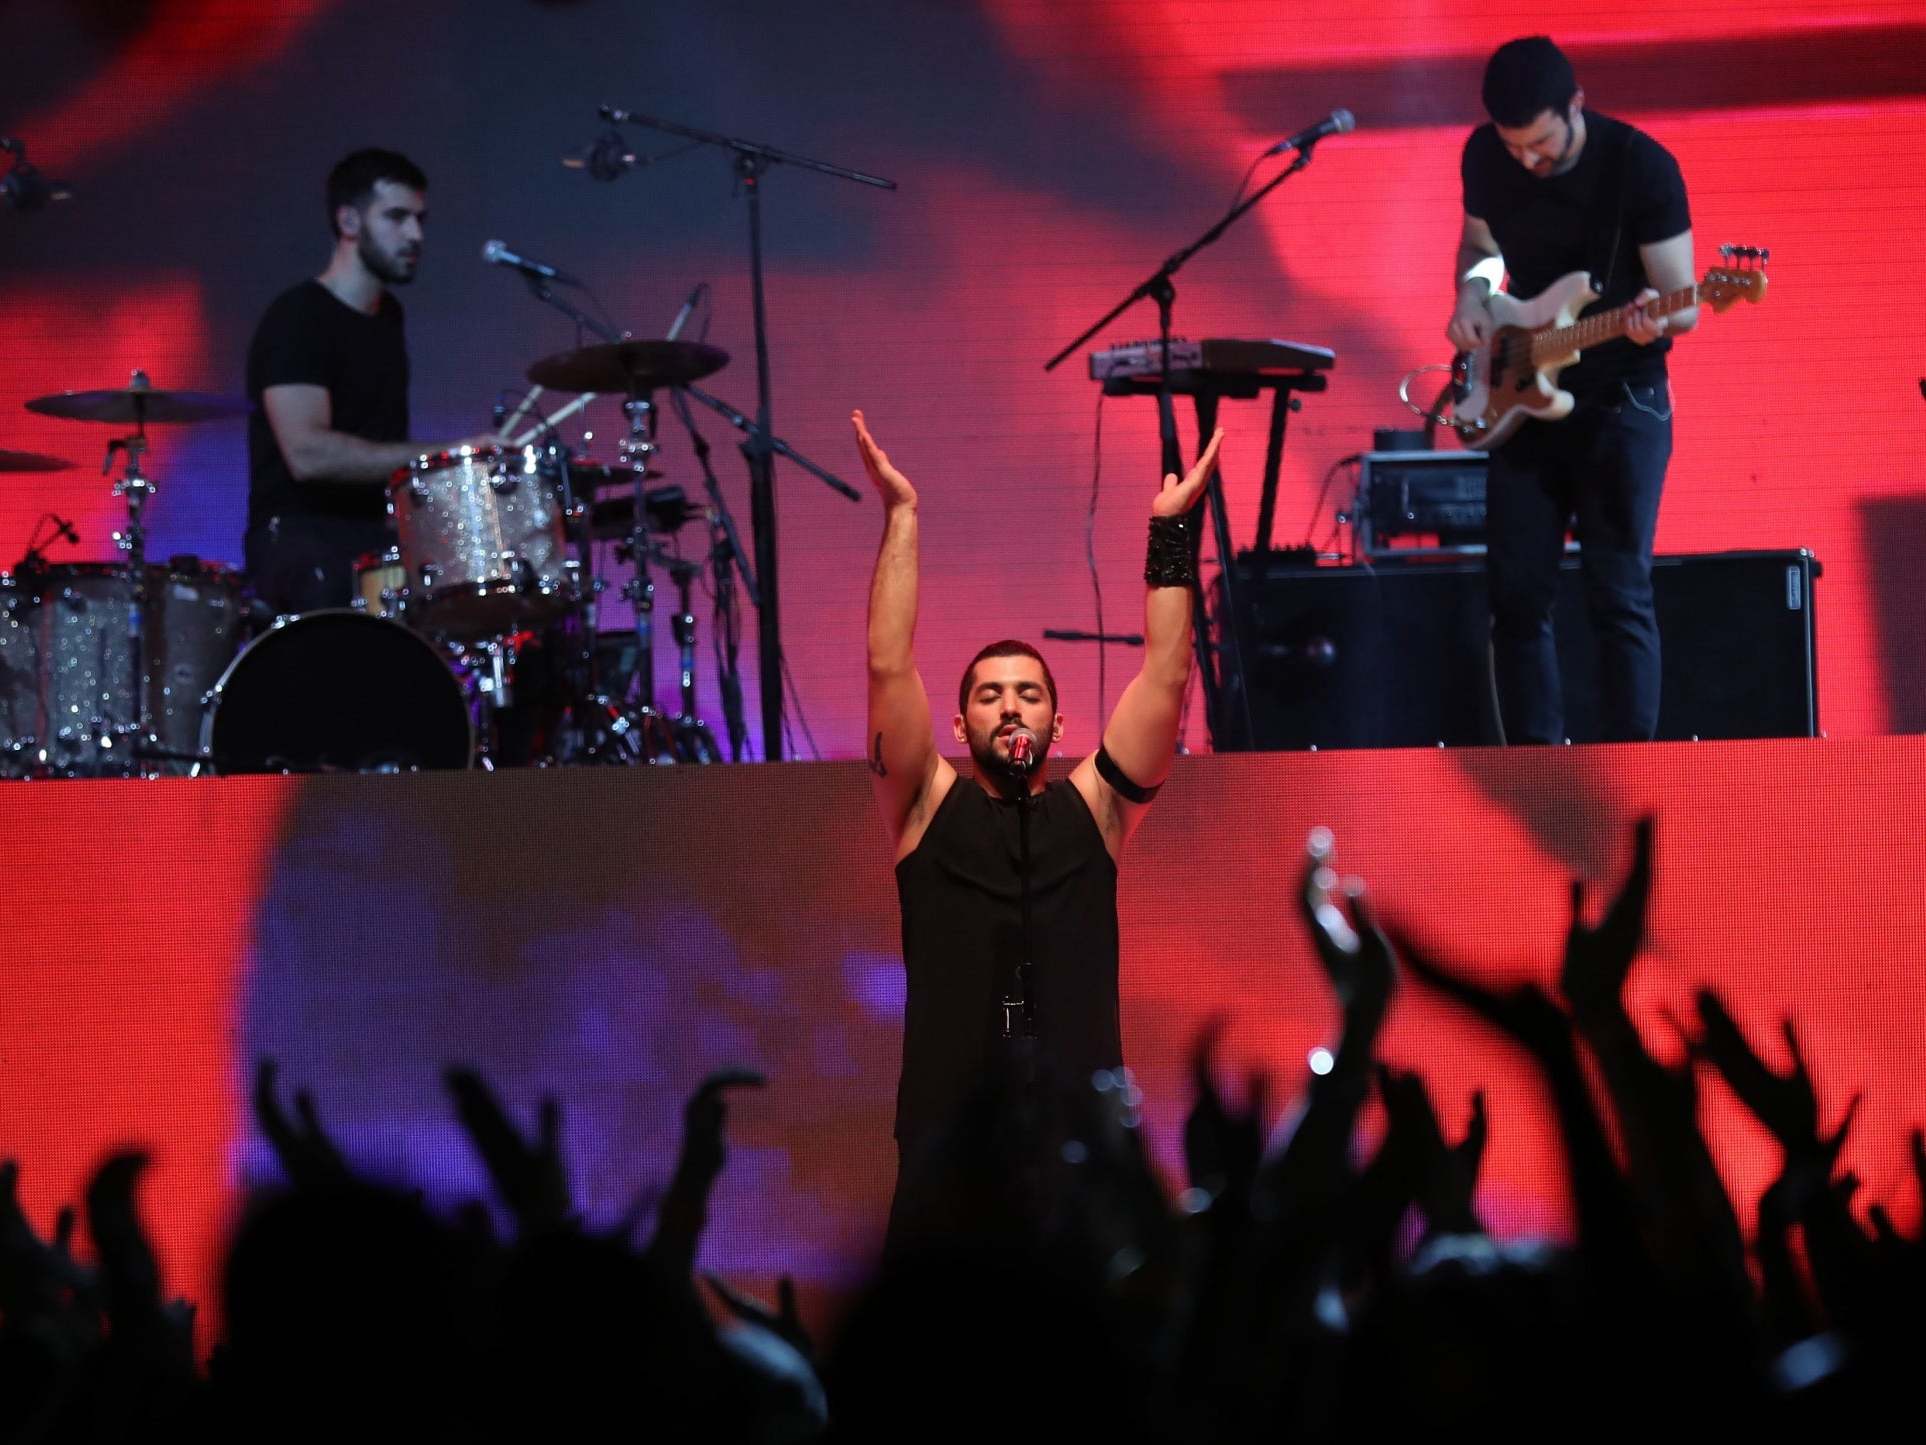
(1514, 375)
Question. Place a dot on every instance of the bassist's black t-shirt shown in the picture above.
(309, 336)
(1625, 192)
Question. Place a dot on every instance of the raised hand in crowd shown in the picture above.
(529, 1176)
(685, 1207)
(309, 1158)
(1223, 1145)
(1688, 1217)
(1805, 1194)
(1446, 1175)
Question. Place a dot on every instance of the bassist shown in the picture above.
(1550, 188)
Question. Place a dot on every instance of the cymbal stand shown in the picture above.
(695, 743)
(657, 742)
(135, 488)
(583, 673)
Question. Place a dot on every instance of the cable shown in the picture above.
(801, 717)
(1324, 490)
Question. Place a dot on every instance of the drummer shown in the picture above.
(327, 376)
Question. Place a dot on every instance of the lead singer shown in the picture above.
(1008, 885)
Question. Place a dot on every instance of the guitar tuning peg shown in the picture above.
(1726, 251)
(1764, 254)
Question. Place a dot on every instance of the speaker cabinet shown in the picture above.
(1397, 654)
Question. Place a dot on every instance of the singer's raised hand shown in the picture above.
(1177, 497)
(891, 485)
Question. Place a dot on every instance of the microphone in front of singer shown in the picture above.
(1022, 753)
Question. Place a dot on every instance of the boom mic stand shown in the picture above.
(751, 161)
(1158, 287)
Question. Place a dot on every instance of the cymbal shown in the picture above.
(32, 462)
(666, 509)
(138, 405)
(628, 367)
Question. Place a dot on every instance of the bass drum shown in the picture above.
(338, 691)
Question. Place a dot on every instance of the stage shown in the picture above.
(612, 935)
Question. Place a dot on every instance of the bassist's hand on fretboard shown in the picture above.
(1641, 326)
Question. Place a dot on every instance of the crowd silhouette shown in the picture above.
(1294, 1289)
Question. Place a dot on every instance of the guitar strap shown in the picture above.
(1611, 192)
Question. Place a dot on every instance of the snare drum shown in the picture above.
(482, 540)
(69, 702)
(380, 584)
(338, 691)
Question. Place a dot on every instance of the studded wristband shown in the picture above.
(1172, 557)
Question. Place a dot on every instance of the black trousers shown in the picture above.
(300, 562)
(1604, 465)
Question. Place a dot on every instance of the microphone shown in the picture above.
(688, 310)
(607, 158)
(64, 528)
(496, 253)
(1023, 750)
(1338, 122)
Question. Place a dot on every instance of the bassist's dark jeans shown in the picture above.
(1604, 465)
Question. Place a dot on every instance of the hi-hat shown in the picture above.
(32, 462)
(628, 367)
(139, 404)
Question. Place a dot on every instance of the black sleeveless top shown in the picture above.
(962, 938)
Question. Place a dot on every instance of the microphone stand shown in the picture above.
(725, 549)
(1158, 287)
(1019, 999)
(752, 160)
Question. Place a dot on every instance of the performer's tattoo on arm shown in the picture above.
(876, 759)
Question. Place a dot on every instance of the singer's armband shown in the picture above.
(1120, 783)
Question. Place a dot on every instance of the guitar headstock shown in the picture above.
(1741, 275)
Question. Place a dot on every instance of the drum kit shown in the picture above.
(471, 641)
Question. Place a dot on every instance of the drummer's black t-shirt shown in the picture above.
(310, 337)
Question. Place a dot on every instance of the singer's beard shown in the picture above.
(995, 765)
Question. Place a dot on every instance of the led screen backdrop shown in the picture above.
(1049, 153)
(612, 936)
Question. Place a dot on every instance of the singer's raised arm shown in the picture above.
(1119, 780)
(906, 772)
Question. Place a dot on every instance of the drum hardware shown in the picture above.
(381, 584)
(83, 740)
(67, 687)
(695, 743)
(337, 691)
(483, 529)
(629, 367)
(751, 161)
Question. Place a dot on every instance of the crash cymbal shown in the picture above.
(137, 405)
(32, 462)
(628, 367)
(666, 509)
